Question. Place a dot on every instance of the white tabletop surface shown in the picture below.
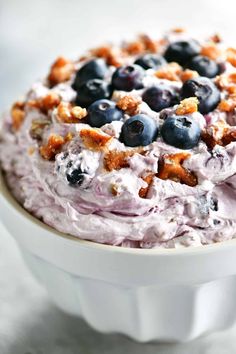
(32, 34)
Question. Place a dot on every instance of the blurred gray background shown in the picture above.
(32, 35)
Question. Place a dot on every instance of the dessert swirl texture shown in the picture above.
(131, 145)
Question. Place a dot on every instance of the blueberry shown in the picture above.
(76, 177)
(204, 66)
(182, 51)
(92, 91)
(181, 132)
(128, 78)
(150, 61)
(102, 112)
(94, 69)
(159, 97)
(206, 92)
(139, 130)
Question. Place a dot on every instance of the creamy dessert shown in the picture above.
(131, 145)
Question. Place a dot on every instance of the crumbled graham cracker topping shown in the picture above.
(187, 106)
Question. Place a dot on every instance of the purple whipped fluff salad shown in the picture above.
(131, 145)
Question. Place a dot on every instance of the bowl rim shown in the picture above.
(191, 250)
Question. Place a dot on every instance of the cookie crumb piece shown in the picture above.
(61, 71)
(94, 139)
(170, 167)
(148, 179)
(17, 115)
(53, 146)
(211, 51)
(187, 106)
(129, 105)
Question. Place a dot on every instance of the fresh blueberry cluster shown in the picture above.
(94, 89)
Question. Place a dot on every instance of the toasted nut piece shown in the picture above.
(31, 150)
(216, 38)
(115, 160)
(178, 30)
(61, 71)
(188, 75)
(149, 44)
(227, 82)
(49, 102)
(134, 48)
(78, 112)
(45, 103)
(219, 133)
(108, 53)
(17, 115)
(187, 106)
(229, 104)
(231, 56)
(148, 179)
(68, 114)
(37, 128)
(170, 167)
(170, 72)
(94, 139)
(69, 136)
(211, 51)
(114, 189)
(53, 147)
(129, 104)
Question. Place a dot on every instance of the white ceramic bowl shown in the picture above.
(161, 295)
